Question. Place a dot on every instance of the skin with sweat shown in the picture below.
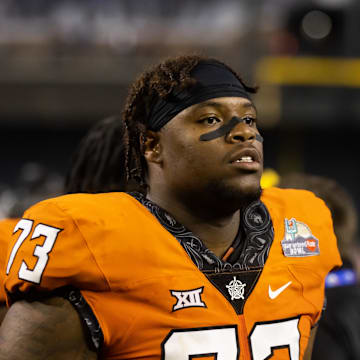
(203, 183)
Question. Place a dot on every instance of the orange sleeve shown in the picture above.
(6, 229)
(47, 251)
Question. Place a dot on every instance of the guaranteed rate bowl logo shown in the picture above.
(298, 240)
(311, 244)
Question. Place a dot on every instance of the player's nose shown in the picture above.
(241, 133)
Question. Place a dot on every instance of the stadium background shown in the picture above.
(65, 64)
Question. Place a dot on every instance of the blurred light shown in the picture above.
(305, 71)
(7, 200)
(269, 178)
(31, 172)
(316, 25)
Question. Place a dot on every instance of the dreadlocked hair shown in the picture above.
(98, 163)
(158, 81)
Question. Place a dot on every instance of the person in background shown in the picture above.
(338, 335)
(197, 262)
(94, 165)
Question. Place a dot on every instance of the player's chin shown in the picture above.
(242, 193)
(247, 183)
(249, 192)
(247, 186)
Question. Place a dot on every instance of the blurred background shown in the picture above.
(67, 63)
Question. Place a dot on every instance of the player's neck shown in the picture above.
(217, 238)
(217, 229)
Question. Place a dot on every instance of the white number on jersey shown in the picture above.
(222, 342)
(41, 251)
(282, 334)
(186, 344)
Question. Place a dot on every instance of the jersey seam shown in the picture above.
(86, 243)
(303, 295)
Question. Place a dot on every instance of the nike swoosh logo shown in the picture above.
(276, 293)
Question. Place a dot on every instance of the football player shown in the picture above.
(198, 262)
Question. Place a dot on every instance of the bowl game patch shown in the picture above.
(298, 240)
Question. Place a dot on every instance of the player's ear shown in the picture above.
(153, 147)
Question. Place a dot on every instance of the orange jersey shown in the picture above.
(6, 230)
(158, 293)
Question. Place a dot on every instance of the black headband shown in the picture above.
(214, 80)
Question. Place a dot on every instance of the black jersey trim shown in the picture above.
(256, 233)
(91, 325)
(93, 331)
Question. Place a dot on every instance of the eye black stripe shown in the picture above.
(225, 129)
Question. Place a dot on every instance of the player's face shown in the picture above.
(214, 146)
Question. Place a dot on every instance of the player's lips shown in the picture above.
(246, 158)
